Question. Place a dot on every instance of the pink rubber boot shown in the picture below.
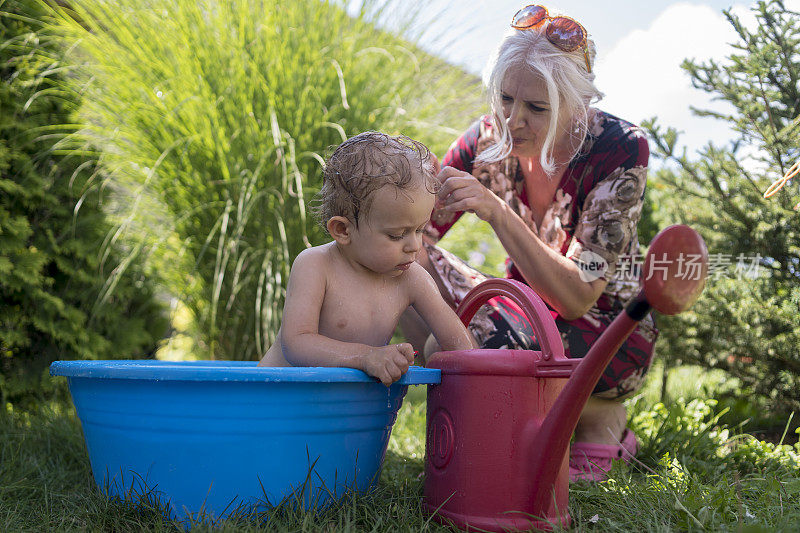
(592, 461)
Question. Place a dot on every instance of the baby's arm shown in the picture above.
(301, 342)
(447, 328)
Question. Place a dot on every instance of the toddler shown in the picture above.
(344, 298)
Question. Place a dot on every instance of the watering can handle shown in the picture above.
(532, 305)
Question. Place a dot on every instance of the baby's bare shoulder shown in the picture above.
(417, 281)
(311, 267)
(315, 253)
(316, 256)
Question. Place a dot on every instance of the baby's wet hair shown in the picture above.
(363, 164)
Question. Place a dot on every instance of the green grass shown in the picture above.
(692, 474)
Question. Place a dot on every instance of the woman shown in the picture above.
(561, 184)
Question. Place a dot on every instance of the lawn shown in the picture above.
(694, 474)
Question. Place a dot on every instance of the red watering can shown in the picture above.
(499, 424)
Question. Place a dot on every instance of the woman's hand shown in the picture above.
(463, 192)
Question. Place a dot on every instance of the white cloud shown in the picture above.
(641, 74)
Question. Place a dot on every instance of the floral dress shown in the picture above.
(593, 214)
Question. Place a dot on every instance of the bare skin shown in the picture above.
(602, 421)
(555, 278)
(345, 298)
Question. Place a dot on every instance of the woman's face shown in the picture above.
(527, 112)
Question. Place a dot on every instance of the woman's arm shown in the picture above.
(554, 277)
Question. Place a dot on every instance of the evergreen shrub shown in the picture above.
(54, 264)
(747, 321)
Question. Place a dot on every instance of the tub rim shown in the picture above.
(234, 371)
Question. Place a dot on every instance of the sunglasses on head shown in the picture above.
(565, 33)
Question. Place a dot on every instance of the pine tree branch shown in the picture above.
(743, 172)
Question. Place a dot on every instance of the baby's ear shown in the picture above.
(340, 229)
(437, 167)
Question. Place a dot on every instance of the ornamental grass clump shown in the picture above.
(212, 120)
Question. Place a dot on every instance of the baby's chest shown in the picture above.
(362, 314)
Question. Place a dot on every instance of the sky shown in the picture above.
(640, 46)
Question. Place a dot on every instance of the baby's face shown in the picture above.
(388, 240)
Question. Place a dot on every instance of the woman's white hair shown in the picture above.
(570, 90)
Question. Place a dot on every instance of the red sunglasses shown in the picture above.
(565, 33)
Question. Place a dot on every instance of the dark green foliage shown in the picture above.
(648, 227)
(748, 326)
(52, 230)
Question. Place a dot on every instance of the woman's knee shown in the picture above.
(431, 347)
(601, 421)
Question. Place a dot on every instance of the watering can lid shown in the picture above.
(527, 363)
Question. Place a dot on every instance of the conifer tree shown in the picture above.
(747, 321)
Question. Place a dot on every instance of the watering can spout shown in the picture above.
(668, 287)
(501, 419)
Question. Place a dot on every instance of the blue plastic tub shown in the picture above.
(209, 437)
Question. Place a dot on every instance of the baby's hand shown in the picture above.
(389, 363)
